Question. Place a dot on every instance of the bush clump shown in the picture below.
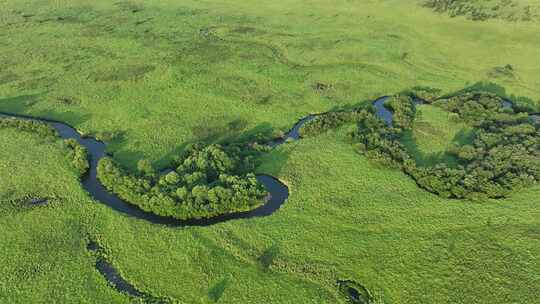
(474, 107)
(78, 155)
(43, 130)
(327, 121)
(208, 181)
(480, 10)
(403, 109)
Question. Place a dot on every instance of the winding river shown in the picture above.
(278, 192)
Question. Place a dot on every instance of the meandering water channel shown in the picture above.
(278, 192)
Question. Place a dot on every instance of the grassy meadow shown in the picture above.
(346, 219)
(149, 77)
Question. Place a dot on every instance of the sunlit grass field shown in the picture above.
(149, 77)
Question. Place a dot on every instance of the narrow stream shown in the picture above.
(278, 192)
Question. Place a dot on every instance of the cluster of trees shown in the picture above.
(379, 141)
(208, 181)
(480, 10)
(504, 154)
(78, 155)
(474, 107)
(403, 109)
(328, 121)
(43, 130)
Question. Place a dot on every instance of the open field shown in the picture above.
(345, 219)
(151, 77)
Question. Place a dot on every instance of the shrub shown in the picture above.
(327, 121)
(42, 129)
(402, 106)
(78, 156)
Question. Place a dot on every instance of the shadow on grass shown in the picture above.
(22, 105)
(18, 104)
(225, 133)
(424, 159)
(491, 87)
(218, 289)
(268, 256)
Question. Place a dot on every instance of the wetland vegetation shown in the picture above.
(180, 85)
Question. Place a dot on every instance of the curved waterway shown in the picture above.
(278, 192)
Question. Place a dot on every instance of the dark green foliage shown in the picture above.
(208, 181)
(425, 93)
(504, 154)
(78, 155)
(41, 129)
(520, 103)
(474, 107)
(480, 10)
(402, 106)
(145, 168)
(327, 121)
(380, 141)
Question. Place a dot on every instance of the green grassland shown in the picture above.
(44, 257)
(433, 134)
(345, 219)
(150, 77)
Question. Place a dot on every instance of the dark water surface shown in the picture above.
(293, 134)
(381, 111)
